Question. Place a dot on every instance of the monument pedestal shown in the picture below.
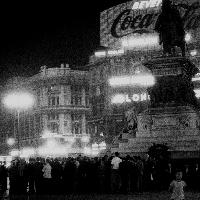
(173, 116)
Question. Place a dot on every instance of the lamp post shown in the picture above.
(19, 101)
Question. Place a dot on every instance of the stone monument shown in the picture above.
(173, 115)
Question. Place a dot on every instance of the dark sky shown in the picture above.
(36, 33)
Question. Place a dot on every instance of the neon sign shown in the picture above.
(146, 4)
(125, 98)
(129, 22)
(138, 97)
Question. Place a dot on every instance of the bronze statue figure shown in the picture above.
(170, 27)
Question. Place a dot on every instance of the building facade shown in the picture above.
(61, 106)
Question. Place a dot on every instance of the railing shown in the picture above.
(56, 72)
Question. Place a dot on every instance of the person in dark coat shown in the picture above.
(38, 176)
(56, 177)
(14, 179)
(69, 176)
(31, 175)
(3, 178)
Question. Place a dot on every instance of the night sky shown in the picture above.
(33, 34)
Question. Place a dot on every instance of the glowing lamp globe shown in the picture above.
(18, 100)
(10, 141)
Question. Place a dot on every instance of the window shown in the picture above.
(53, 116)
(53, 101)
(98, 92)
(66, 89)
(54, 88)
(65, 127)
(66, 100)
(76, 98)
(76, 124)
(87, 100)
(53, 127)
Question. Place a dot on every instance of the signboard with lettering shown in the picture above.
(133, 18)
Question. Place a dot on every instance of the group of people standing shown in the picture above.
(99, 175)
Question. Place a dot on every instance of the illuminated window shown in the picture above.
(76, 124)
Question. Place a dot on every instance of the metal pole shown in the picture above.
(18, 130)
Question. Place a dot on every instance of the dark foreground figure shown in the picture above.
(82, 176)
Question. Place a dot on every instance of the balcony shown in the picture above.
(61, 108)
(61, 74)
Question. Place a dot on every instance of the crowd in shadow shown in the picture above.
(86, 175)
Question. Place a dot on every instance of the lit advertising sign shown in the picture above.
(120, 98)
(134, 18)
(146, 4)
(125, 98)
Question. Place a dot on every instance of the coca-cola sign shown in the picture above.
(129, 20)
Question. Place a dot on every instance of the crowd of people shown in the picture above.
(107, 174)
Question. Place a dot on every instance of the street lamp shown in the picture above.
(11, 141)
(18, 101)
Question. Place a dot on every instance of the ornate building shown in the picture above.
(61, 106)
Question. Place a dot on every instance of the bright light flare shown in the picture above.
(141, 41)
(118, 99)
(100, 53)
(52, 148)
(70, 139)
(144, 80)
(119, 81)
(193, 52)
(27, 152)
(102, 146)
(95, 146)
(115, 52)
(188, 37)
(18, 100)
(11, 141)
(14, 152)
(85, 138)
(197, 93)
(87, 151)
(197, 77)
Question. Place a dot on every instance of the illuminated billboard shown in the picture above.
(127, 23)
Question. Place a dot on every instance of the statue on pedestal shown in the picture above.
(170, 27)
